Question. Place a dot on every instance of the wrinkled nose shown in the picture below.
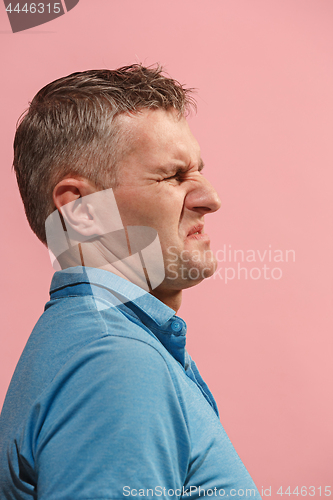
(203, 198)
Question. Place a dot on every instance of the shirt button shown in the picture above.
(176, 326)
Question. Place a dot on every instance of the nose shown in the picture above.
(203, 198)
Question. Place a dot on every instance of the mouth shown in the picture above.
(195, 230)
(197, 233)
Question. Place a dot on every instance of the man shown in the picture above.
(105, 402)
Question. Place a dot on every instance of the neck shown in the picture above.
(171, 298)
(90, 255)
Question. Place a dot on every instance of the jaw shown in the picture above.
(189, 269)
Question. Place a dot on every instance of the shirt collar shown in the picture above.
(159, 318)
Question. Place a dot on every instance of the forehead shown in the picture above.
(160, 134)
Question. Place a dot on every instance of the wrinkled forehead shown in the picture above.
(154, 131)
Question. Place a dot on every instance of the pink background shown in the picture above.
(264, 73)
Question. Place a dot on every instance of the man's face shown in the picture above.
(161, 186)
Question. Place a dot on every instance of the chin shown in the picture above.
(198, 272)
(209, 271)
(181, 273)
(207, 267)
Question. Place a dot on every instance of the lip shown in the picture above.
(196, 229)
(199, 237)
(196, 233)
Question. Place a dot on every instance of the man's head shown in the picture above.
(72, 129)
(124, 129)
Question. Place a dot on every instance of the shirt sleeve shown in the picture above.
(111, 426)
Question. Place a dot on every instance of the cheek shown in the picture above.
(155, 209)
(130, 207)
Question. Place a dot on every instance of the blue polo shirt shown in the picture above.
(105, 403)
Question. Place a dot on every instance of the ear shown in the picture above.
(69, 198)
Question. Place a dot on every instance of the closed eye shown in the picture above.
(179, 176)
(183, 173)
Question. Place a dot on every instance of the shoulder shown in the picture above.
(113, 381)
